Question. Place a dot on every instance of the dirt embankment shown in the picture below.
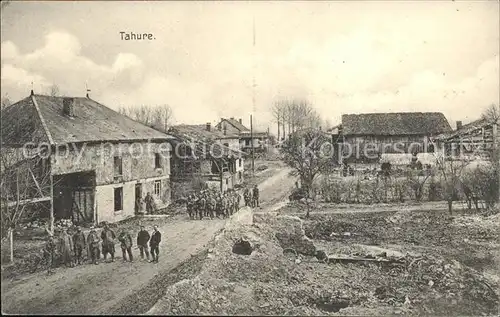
(276, 280)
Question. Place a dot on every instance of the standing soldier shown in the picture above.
(255, 196)
(66, 248)
(93, 245)
(189, 206)
(47, 256)
(248, 196)
(212, 204)
(231, 201)
(142, 242)
(238, 200)
(218, 206)
(202, 204)
(126, 245)
(150, 204)
(79, 244)
(108, 242)
(154, 244)
(225, 203)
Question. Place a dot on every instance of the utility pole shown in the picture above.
(251, 142)
(253, 96)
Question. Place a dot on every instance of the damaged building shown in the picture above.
(83, 161)
(206, 154)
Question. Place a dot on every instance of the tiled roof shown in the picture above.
(41, 118)
(401, 123)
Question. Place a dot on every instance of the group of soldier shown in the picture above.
(68, 249)
(209, 203)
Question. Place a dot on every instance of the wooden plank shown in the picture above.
(28, 201)
(333, 259)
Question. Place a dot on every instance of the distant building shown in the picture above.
(474, 139)
(371, 134)
(94, 163)
(199, 151)
(233, 126)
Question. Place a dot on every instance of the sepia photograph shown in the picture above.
(251, 158)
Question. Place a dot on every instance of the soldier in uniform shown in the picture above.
(93, 246)
(47, 255)
(189, 206)
(66, 248)
(126, 245)
(238, 200)
(255, 196)
(211, 205)
(79, 244)
(108, 242)
(202, 205)
(248, 197)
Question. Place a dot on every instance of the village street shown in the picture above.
(98, 289)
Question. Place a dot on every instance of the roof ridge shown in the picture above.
(44, 125)
(121, 114)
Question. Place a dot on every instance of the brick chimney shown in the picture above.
(459, 125)
(69, 107)
(232, 118)
(239, 120)
(209, 126)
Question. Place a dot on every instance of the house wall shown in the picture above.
(105, 203)
(258, 142)
(138, 160)
(138, 166)
(387, 144)
(232, 143)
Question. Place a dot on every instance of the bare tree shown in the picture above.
(54, 90)
(308, 153)
(23, 183)
(492, 114)
(296, 114)
(158, 117)
(278, 115)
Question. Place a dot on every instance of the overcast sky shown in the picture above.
(344, 57)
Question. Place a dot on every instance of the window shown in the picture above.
(118, 166)
(158, 188)
(118, 198)
(157, 160)
(239, 175)
(227, 181)
(226, 144)
(239, 162)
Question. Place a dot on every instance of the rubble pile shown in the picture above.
(289, 231)
(280, 277)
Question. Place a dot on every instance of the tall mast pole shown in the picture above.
(253, 96)
(251, 142)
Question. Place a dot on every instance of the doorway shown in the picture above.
(74, 197)
(138, 198)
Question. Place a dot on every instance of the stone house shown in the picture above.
(100, 164)
(364, 137)
(260, 140)
(199, 151)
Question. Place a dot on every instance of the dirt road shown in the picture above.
(98, 289)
